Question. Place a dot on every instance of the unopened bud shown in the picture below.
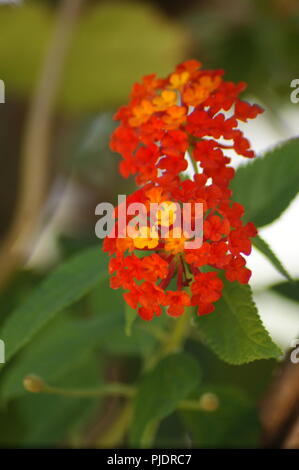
(209, 402)
(34, 384)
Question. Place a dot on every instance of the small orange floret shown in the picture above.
(165, 100)
(179, 80)
(174, 116)
(141, 113)
(174, 245)
(147, 238)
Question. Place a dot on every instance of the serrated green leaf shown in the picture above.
(233, 424)
(161, 390)
(288, 290)
(65, 285)
(234, 331)
(264, 248)
(267, 185)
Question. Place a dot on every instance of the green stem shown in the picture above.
(174, 341)
(149, 434)
(179, 334)
(194, 165)
(191, 405)
(193, 162)
(155, 331)
(115, 434)
(113, 389)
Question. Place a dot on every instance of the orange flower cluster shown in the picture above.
(187, 120)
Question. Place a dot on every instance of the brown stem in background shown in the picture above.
(280, 408)
(36, 144)
(292, 439)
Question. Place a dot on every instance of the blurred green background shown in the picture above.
(113, 45)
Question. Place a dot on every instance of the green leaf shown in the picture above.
(15, 291)
(57, 350)
(234, 331)
(103, 298)
(159, 393)
(267, 185)
(138, 342)
(233, 424)
(65, 285)
(264, 248)
(288, 290)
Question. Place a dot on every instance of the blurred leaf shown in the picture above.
(58, 349)
(69, 245)
(234, 424)
(91, 159)
(160, 391)
(44, 420)
(234, 331)
(25, 33)
(218, 29)
(140, 342)
(253, 377)
(113, 46)
(172, 434)
(114, 64)
(288, 290)
(267, 185)
(105, 299)
(264, 248)
(102, 298)
(20, 285)
(65, 285)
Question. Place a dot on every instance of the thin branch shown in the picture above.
(116, 432)
(35, 384)
(280, 404)
(292, 439)
(36, 143)
(112, 389)
(173, 341)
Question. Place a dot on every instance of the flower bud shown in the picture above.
(209, 402)
(34, 384)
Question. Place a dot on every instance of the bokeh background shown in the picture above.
(103, 48)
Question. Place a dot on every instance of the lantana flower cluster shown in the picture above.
(188, 120)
